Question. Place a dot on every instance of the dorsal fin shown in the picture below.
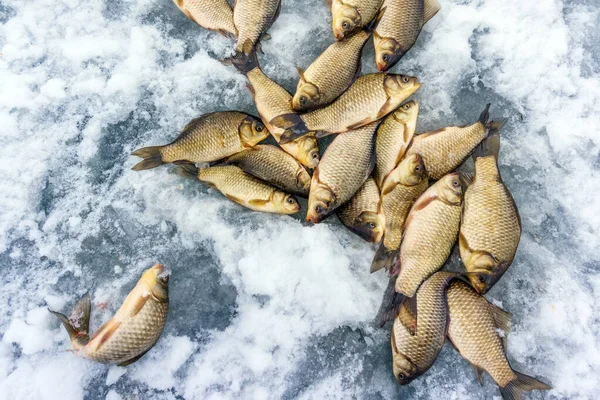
(301, 74)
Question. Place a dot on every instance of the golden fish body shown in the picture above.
(248, 191)
(330, 74)
(490, 229)
(362, 213)
(430, 232)
(252, 19)
(399, 28)
(133, 330)
(208, 138)
(349, 16)
(275, 166)
(409, 182)
(272, 100)
(473, 330)
(419, 329)
(394, 135)
(346, 165)
(210, 14)
(446, 149)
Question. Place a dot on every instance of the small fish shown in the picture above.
(405, 184)
(243, 188)
(491, 227)
(215, 15)
(275, 166)
(399, 28)
(370, 98)
(252, 19)
(346, 165)
(272, 100)
(362, 215)
(133, 330)
(419, 329)
(445, 150)
(393, 138)
(430, 232)
(208, 138)
(349, 16)
(473, 330)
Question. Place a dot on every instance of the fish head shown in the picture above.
(319, 203)
(307, 95)
(303, 179)
(285, 203)
(346, 20)
(450, 190)
(401, 86)
(308, 151)
(411, 170)
(252, 131)
(157, 280)
(407, 112)
(387, 53)
(370, 226)
(404, 370)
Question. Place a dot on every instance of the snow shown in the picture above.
(265, 306)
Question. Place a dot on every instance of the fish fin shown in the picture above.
(383, 258)
(244, 61)
(286, 121)
(422, 202)
(321, 134)
(137, 306)
(388, 186)
(407, 314)
(265, 36)
(301, 74)
(392, 309)
(106, 331)
(234, 199)
(490, 146)
(478, 373)
(258, 203)
(387, 108)
(503, 320)
(515, 390)
(294, 127)
(187, 171)
(134, 359)
(152, 158)
(466, 171)
(485, 114)
(78, 324)
(431, 7)
(359, 124)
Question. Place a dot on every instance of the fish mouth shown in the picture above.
(313, 219)
(382, 67)
(339, 35)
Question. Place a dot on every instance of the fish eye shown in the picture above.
(405, 79)
(371, 225)
(482, 279)
(259, 128)
(302, 100)
(315, 156)
(319, 209)
(401, 376)
(386, 58)
(418, 168)
(290, 200)
(407, 106)
(455, 183)
(345, 25)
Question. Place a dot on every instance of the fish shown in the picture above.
(350, 16)
(215, 15)
(346, 165)
(446, 149)
(275, 166)
(430, 231)
(132, 331)
(271, 100)
(419, 328)
(252, 20)
(243, 188)
(399, 28)
(405, 184)
(491, 226)
(473, 330)
(394, 137)
(208, 138)
(362, 215)
(370, 98)
(332, 72)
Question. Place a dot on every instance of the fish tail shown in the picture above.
(490, 146)
(187, 171)
(294, 126)
(383, 258)
(245, 60)
(152, 158)
(390, 303)
(485, 114)
(78, 324)
(516, 389)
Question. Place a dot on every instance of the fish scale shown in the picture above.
(210, 14)
(402, 21)
(252, 18)
(134, 335)
(366, 201)
(232, 180)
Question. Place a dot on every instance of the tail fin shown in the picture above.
(78, 324)
(390, 311)
(485, 114)
(490, 146)
(187, 171)
(294, 127)
(384, 258)
(244, 61)
(152, 158)
(431, 8)
(516, 389)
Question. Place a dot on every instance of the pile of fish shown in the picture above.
(416, 195)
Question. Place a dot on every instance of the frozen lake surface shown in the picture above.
(265, 306)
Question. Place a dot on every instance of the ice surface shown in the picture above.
(263, 306)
